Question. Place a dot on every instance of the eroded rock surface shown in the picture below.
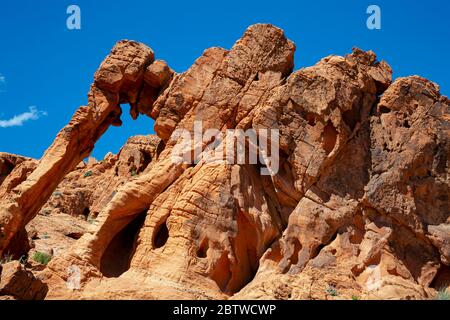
(359, 207)
(77, 200)
(20, 284)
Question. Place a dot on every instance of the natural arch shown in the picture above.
(123, 77)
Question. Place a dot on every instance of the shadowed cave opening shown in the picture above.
(330, 135)
(351, 117)
(384, 109)
(202, 251)
(297, 248)
(117, 257)
(161, 236)
(6, 167)
(86, 213)
(442, 279)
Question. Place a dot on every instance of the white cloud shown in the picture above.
(19, 120)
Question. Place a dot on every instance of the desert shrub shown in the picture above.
(88, 174)
(332, 291)
(442, 294)
(42, 258)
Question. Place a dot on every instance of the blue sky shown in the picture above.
(46, 69)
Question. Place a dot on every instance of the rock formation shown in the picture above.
(18, 283)
(78, 199)
(358, 208)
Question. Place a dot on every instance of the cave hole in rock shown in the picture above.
(384, 109)
(203, 248)
(330, 135)
(161, 235)
(311, 118)
(146, 161)
(74, 235)
(441, 280)
(320, 247)
(86, 212)
(94, 214)
(6, 167)
(117, 256)
(297, 247)
(351, 117)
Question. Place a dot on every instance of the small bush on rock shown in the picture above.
(42, 258)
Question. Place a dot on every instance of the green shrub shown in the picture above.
(42, 258)
(442, 294)
(332, 291)
(88, 174)
(355, 298)
(133, 173)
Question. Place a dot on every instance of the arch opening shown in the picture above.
(116, 136)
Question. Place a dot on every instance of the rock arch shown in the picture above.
(129, 74)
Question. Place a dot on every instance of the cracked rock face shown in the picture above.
(358, 208)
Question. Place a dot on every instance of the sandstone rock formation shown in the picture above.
(119, 79)
(78, 199)
(20, 284)
(7, 164)
(358, 208)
